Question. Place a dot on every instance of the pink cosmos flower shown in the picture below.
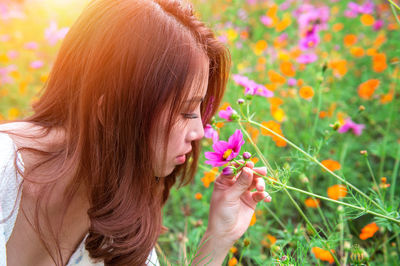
(31, 45)
(210, 133)
(350, 125)
(267, 21)
(378, 25)
(36, 64)
(307, 58)
(311, 40)
(227, 113)
(292, 82)
(53, 34)
(251, 87)
(224, 151)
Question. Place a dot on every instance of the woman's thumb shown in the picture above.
(243, 182)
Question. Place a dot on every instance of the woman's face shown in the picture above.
(187, 128)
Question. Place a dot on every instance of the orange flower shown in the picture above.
(380, 39)
(198, 196)
(283, 24)
(357, 51)
(287, 69)
(337, 191)
(367, 20)
(312, 203)
(254, 132)
(253, 219)
(233, 250)
(232, 262)
(275, 77)
(337, 27)
(275, 101)
(367, 88)
(254, 160)
(379, 62)
(219, 124)
(269, 241)
(209, 177)
(331, 164)
(276, 127)
(323, 254)
(306, 92)
(349, 39)
(327, 37)
(387, 98)
(339, 67)
(368, 231)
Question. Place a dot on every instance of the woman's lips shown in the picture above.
(181, 159)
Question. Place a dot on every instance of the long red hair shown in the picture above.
(120, 66)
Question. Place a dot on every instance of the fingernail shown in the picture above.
(268, 199)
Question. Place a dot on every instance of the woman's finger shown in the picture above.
(259, 196)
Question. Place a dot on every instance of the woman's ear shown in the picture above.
(100, 113)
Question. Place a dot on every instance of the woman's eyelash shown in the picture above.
(190, 116)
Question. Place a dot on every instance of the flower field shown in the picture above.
(313, 95)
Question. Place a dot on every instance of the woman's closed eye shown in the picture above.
(190, 115)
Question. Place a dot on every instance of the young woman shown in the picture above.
(84, 179)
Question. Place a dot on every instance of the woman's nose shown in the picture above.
(196, 130)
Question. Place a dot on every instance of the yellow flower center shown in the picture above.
(227, 153)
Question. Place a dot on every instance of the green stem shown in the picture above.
(328, 199)
(317, 162)
(318, 109)
(262, 158)
(373, 178)
(394, 4)
(327, 225)
(275, 217)
(394, 176)
(310, 224)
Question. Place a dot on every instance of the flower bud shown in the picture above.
(235, 116)
(249, 97)
(364, 152)
(304, 179)
(283, 258)
(358, 255)
(361, 108)
(229, 170)
(240, 101)
(335, 126)
(246, 242)
(246, 155)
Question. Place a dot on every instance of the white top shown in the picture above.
(10, 181)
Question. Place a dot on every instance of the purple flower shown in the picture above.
(31, 45)
(267, 21)
(227, 114)
(378, 25)
(53, 34)
(229, 170)
(224, 151)
(246, 155)
(349, 124)
(307, 58)
(36, 64)
(210, 133)
(309, 41)
(292, 82)
(251, 87)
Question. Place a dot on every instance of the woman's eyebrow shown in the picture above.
(195, 99)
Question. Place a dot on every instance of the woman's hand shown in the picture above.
(233, 202)
(232, 206)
